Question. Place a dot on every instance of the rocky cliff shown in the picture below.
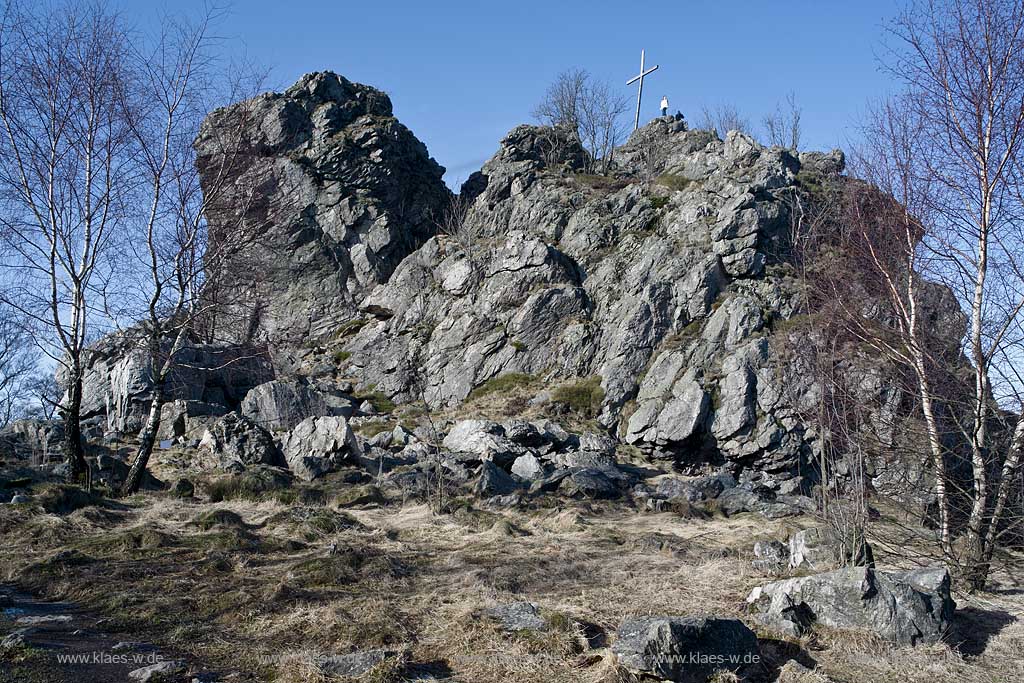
(318, 194)
(666, 289)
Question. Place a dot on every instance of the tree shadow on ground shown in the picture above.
(775, 654)
(974, 627)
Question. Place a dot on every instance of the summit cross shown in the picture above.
(640, 89)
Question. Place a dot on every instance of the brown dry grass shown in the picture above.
(402, 578)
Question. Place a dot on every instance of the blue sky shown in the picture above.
(461, 74)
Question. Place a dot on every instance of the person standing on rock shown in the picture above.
(664, 105)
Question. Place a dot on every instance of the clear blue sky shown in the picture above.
(461, 74)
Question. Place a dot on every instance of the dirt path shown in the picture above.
(64, 644)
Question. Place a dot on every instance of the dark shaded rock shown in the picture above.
(346, 192)
(238, 443)
(493, 481)
(684, 649)
(589, 482)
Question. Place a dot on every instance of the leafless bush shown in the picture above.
(782, 127)
(722, 119)
(590, 110)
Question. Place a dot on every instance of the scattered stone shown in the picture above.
(354, 664)
(771, 557)
(906, 608)
(684, 649)
(528, 467)
(821, 549)
(44, 619)
(20, 498)
(158, 671)
(319, 445)
(518, 616)
(16, 639)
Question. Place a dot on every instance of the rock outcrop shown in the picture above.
(658, 288)
(906, 608)
(326, 193)
(117, 384)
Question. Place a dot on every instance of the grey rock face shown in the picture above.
(238, 443)
(684, 649)
(37, 441)
(668, 281)
(177, 416)
(118, 384)
(655, 290)
(906, 608)
(319, 445)
(280, 405)
(345, 193)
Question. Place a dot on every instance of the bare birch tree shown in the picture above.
(64, 167)
(176, 79)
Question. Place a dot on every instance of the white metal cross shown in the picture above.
(640, 90)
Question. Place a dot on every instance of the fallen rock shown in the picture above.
(44, 619)
(528, 467)
(770, 557)
(239, 443)
(493, 481)
(589, 482)
(319, 445)
(354, 664)
(280, 405)
(907, 608)
(484, 438)
(684, 649)
(518, 616)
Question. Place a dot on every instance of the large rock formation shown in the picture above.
(659, 288)
(319, 193)
(668, 283)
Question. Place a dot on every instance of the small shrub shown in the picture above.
(63, 499)
(340, 356)
(350, 328)
(502, 384)
(518, 345)
(600, 182)
(381, 401)
(372, 429)
(674, 182)
(583, 396)
(659, 203)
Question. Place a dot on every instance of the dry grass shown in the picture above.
(259, 579)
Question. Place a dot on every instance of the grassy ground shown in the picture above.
(258, 586)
